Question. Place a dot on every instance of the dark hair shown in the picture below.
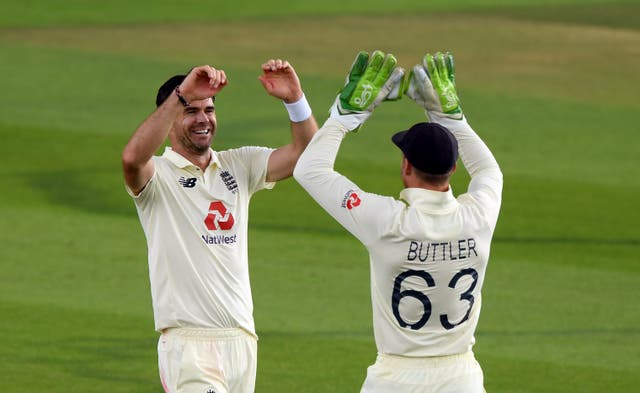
(167, 88)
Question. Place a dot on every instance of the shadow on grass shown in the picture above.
(92, 190)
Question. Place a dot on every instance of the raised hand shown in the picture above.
(280, 80)
(432, 85)
(371, 80)
(203, 82)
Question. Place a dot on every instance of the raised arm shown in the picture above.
(137, 164)
(280, 80)
(370, 81)
(432, 86)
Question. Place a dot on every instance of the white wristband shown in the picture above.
(299, 110)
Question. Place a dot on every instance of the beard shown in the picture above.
(193, 146)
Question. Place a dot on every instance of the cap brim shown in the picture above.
(398, 138)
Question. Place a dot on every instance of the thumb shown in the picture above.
(420, 74)
(394, 86)
(416, 80)
(264, 81)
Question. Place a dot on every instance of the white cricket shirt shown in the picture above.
(196, 229)
(428, 250)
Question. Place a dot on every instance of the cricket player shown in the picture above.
(193, 204)
(428, 249)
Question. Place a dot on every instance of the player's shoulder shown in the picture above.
(243, 150)
(244, 155)
(161, 163)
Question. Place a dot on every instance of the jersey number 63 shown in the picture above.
(398, 294)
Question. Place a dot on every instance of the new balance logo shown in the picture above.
(188, 182)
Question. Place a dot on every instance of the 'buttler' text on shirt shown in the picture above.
(442, 251)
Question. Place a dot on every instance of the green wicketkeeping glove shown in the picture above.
(432, 85)
(371, 80)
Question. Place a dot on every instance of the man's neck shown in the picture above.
(201, 160)
(442, 188)
(415, 183)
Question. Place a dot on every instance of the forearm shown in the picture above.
(137, 156)
(152, 133)
(302, 132)
(303, 124)
(303, 128)
(316, 163)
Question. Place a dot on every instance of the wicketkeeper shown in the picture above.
(428, 249)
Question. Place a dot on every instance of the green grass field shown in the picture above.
(551, 86)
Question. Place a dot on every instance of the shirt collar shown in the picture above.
(181, 162)
(429, 201)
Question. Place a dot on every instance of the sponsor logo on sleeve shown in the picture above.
(351, 200)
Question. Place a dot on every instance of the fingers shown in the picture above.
(441, 64)
(280, 80)
(207, 74)
(451, 69)
(386, 69)
(355, 73)
(275, 65)
(375, 64)
(358, 66)
(430, 65)
(218, 79)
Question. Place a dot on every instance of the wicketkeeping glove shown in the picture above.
(371, 80)
(432, 85)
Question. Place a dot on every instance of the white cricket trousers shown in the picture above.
(442, 374)
(195, 360)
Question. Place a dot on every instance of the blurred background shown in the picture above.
(551, 86)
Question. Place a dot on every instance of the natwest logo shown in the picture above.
(351, 200)
(219, 217)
